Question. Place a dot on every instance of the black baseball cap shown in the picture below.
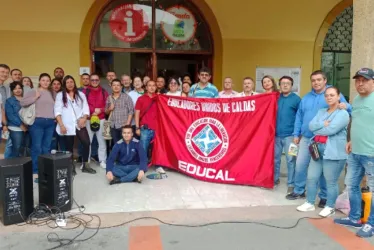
(365, 72)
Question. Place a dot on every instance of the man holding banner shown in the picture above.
(146, 117)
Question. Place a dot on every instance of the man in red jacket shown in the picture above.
(96, 98)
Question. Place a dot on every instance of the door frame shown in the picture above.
(152, 50)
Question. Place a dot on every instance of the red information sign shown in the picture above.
(129, 23)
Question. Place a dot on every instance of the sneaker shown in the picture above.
(115, 181)
(348, 222)
(290, 190)
(294, 196)
(366, 231)
(160, 170)
(322, 203)
(306, 207)
(327, 211)
(87, 169)
(103, 164)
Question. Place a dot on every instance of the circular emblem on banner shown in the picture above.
(207, 140)
(180, 26)
(129, 23)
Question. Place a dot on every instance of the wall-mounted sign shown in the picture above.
(180, 26)
(129, 23)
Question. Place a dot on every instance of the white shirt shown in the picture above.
(178, 93)
(242, 94)
(71, 113)
(223, 94)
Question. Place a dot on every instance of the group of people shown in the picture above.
(317, 125)
(328, 134)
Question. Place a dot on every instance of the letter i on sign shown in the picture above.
(130, 27)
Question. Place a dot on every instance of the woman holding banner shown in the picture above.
(327, 148)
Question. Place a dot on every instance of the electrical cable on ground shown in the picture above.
(47, 216)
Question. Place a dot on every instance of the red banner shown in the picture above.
(218, 140)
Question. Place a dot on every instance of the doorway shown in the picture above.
(135, 64)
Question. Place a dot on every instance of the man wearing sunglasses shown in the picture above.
(96, 98)
(204, 89)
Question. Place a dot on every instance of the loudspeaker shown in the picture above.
(16, 190)
(55, 180)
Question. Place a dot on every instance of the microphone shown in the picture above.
(59, 152)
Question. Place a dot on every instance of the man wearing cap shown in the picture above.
(308, 108)
(361, 152)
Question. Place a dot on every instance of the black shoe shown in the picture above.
(322, 203)
(87, 169)
(115, 181)
(79, 159)
(294, 196)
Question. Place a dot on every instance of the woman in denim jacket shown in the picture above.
(17, 130)
(330, 129)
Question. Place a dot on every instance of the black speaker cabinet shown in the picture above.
(55, 180)
(16, 190)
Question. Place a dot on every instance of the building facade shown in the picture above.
(168, 37)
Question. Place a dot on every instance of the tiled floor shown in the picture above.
(176, 192)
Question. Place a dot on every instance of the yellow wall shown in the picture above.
(46, 33)
(242, 56)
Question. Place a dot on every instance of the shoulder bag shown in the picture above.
(27, 114)
(107, 123)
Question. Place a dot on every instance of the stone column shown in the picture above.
(362, 39)
(362, 43)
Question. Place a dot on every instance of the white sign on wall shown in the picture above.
(277, 73)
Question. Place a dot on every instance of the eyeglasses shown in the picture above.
(173, 83)
(285, 83)
(204, 74)
(94, 80)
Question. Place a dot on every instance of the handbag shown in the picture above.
(27, 114)
(314, 152)
(107, 124)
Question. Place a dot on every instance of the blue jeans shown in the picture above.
(301, 170)
(94, 147)
(280, 144)
(331, 169)
(8, 148)
(358, 166)
(18, 143)
(146, 136)
(126, 173)
(41, 135)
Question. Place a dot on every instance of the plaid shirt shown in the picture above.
(123, 107)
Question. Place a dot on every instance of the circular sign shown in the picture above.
(207, 140)
(181, 26)
(129, 23)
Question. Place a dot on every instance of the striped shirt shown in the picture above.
(210, 91)
(123, 107)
